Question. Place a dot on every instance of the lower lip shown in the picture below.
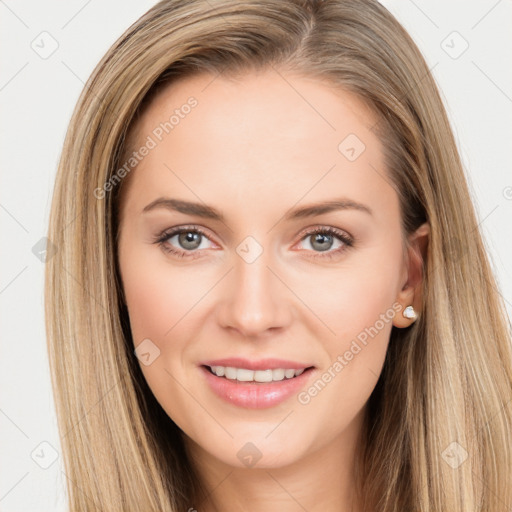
(255, 395)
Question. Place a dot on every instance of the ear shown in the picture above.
(410, 294)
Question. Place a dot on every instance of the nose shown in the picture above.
(255, 300)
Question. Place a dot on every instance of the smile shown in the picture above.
(255, 389)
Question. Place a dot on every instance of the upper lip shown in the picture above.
(260, 364)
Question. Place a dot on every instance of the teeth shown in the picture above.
(230, 373)
(278, 374)
(244, 375)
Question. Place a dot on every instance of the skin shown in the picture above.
(254, 148)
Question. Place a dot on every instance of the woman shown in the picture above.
(270, 290)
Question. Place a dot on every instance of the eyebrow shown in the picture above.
(208, 212)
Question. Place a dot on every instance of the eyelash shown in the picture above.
(163, 237)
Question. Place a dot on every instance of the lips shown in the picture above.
(256, 395)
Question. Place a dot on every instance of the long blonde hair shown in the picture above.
(446, 387)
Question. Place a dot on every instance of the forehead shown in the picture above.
(263, 133)
(226, 103)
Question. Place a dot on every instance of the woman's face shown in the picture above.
(290, 257)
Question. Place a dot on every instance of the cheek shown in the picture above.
(160, 301)
(356, 304)
(352, 297)
(158, 295)
(361, 301)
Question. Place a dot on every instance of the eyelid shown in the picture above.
(322, 228)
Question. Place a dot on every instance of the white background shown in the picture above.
(37, 97)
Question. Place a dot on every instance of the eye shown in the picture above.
(188, 241)
(322, 239)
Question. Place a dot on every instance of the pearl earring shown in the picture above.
(410, 313)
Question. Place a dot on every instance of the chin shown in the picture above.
(259, 447)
